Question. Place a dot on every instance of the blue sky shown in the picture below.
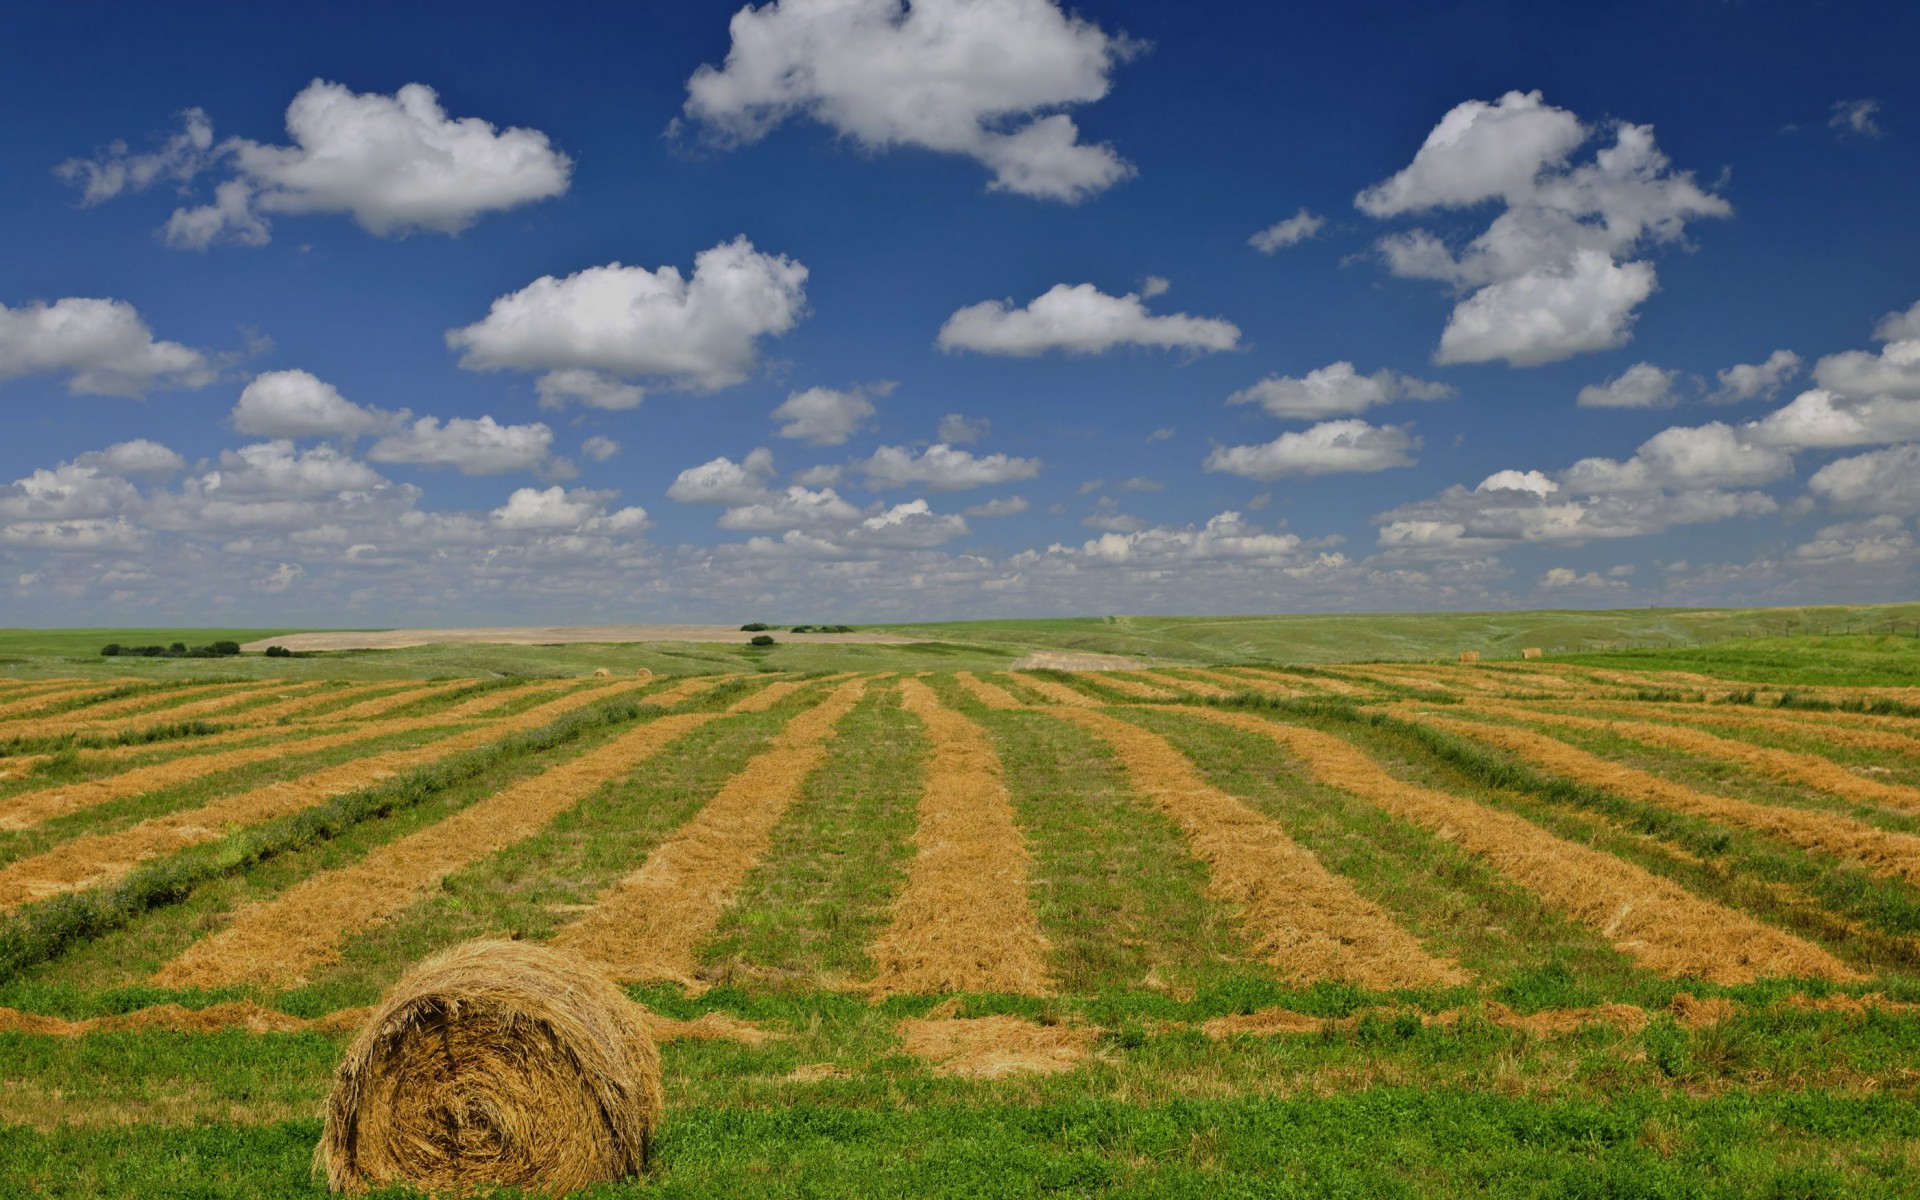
(860, 310)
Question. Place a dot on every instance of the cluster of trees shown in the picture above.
(177, 650)
(761, 627)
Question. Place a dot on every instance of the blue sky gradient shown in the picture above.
(1798, 121)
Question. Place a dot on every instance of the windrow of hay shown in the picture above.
(1185, 685)
(986, 693)
(48, 697)
(1793, 723)
(378, 706)
(166, 699)
(101, 858)
(495, 1063)
(1660, 925)
(1303, 919)
(1128, 685)
(1058, 693)
(995, 1047)
(1311, 683)
(1881, 851)
(963, 922)
(1782, 765)
(1233, 684)
(768, 696)
(650, 924)
(280, 943)
(1552, 1022)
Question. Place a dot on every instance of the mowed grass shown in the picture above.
(1430, 1093)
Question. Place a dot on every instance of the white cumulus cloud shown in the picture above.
(828, 416)
(1080, 319)
(941, 468)
(102, 347)
(723, 481)
(1755, 381)
(1290, 232)
(297, 404)
(979, 78)
(1331, 447)
(1335, 390)
(1642, 385)
(624, 322)
(473, 447)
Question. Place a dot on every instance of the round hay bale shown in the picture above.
(644, 673)
(496, 1063)
(602, 673)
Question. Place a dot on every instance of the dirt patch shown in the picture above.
(552, 635)
(1660, 925)
(1882, 851)
(1063, 660)
(104, 857)
(650, 924)
(996, 1047)
(963, 922)
(1306, 921)
(986, 693)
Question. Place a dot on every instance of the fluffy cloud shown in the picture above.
(101, 346)
(1080, 319)
(296, 404)
(957, 430)
(828, 416)
(594, 389)
(557, 508)
(1898, 326)
(1707, 456)
(599, 448)
(473, 447)
(1562, 579)
(1886, 481)
(1642, 385)
(137, 457)
(1547, 277)
(795, 508)
(1225, 536)
(953, 76)
(1335, 390)
(1755, 381)
(723, 481)
(1290, 232)
(1328, 448)
(277, 470)
(1821, 419)
(395, 163)
(1007, 506)
(1859, 374)
(628, 322)
(941, 468)
(1878, 541)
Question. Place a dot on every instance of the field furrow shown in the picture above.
(963, 922)
(1659, 924)
(280, 943)
(1882, 851)
(1308, 923)
(650, 925)
(101, 858)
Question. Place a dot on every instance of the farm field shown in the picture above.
(1646, 925)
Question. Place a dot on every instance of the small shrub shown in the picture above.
(762, 640)
(279, 652)
(110, 650)
(754, 627)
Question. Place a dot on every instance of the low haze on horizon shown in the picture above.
(860, 310)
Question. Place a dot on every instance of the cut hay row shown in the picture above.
(1264, 685)
(1233, 684)
(1057, 693)
(1128, 685)
(1785, 766)
(365, 710)
(963, 922)
(1745, 718)
(649, 925)
(249, 718)
(997, 1046)
(1307, 922)
(165, 703)
(1881, 851)
(769, 696)
(687, 689)
(1657, 923)
(32, 705)
(1184, 685)
(1310, 683)
(102, 858)
(986, 693)
(279, 944)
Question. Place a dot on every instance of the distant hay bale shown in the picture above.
(644, 673)
(1533, 652)
(495, 1063)
(602, 673)
(1469, 656)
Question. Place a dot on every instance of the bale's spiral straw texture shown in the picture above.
(495, 1063)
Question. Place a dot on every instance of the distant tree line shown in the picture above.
(177, 650)
(762, 627)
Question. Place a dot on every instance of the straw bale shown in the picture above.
(1469, 656)
(1660, 925)
(602, 673)
(495, 1063)
(1533, 652)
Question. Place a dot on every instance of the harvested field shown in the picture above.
(1307, 922)
(1406, 928)
(650, 924)
(1883, 851)
(1657, 923)
(964, 922)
